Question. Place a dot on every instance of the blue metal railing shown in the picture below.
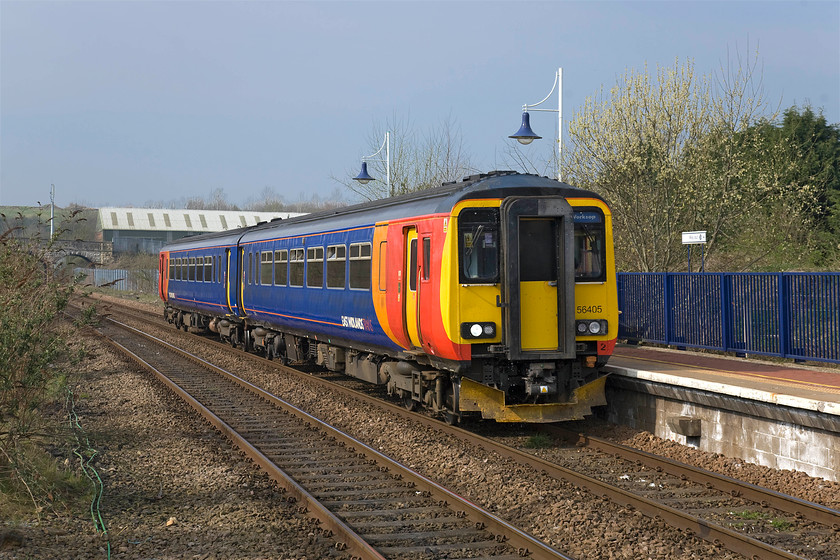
(791, 315)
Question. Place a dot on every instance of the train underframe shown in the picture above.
(489, 386)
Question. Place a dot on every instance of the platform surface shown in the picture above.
(810, 388)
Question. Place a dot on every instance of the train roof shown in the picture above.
(496, 184)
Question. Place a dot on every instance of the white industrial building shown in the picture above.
(146, 230)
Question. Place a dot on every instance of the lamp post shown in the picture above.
(525, 135)
(364, 178)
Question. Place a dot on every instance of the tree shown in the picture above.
(630, 146)
(417, 161)
(682, 152)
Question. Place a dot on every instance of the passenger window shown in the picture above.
(296, 267)
(281, 259)
(208, 269)
(266, 267)
(315, 267)
(360, 263)
(336, 266)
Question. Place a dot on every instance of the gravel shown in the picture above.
(159, 462)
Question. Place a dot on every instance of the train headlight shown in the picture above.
(478, 330)
(590, 327)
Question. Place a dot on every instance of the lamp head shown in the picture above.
(363, 177)
(525, 135)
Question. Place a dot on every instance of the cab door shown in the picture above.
(410, 274)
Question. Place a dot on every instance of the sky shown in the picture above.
(134, 103)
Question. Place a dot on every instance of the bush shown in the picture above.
(32, 349)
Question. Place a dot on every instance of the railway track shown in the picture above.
(698, 501)
(372, 505)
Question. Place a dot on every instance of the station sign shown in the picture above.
(693, 237)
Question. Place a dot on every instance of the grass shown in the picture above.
(539, 441)
(776, 523)
(39, 482)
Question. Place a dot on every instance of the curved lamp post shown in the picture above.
(525, 135)
(364, 178)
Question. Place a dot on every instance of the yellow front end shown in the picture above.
(481, 304)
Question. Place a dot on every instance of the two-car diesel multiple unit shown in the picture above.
(493, 296)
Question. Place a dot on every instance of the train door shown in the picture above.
(229, 280)
(537, 245)
(410, 290)
(163, 280)
(538, 283)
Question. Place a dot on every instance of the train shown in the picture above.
(492, 297)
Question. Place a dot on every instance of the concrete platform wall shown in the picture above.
(757, 439)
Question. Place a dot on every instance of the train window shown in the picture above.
(281, 259)
(266, 267)
(218, 262)
(427, 257)
(191, 269)
(412, 266)
(537, 250)
(185, 274)
(360, 262)
(590, 246)
(478, 245)
(296, 267)
(383, 277)
(208, 269)
(336, 266)
(315, 267)
(199, 269)
(250, 268)
(171, 268)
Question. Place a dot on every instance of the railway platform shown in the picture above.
(780, 415)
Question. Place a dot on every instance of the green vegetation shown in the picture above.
(34, 360)
(676, 151)
(776, 523)
(539, 441)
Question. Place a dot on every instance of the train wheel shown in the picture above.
(450, 418)
(409, 403)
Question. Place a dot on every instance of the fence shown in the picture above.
(791, 315)
(145, 281)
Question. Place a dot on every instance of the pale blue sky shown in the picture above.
(120, 103)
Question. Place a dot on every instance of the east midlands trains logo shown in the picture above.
(357, 323)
